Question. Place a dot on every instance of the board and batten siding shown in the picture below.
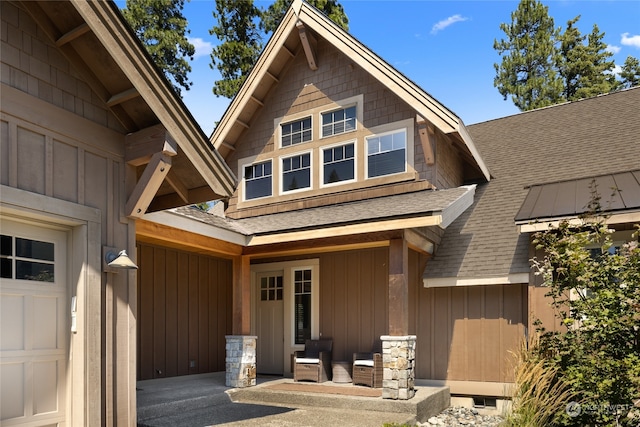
(470, 332)
(184, 312)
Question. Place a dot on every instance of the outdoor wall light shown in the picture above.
(117, 260)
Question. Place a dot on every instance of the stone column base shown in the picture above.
(398, 359)
(241, 361)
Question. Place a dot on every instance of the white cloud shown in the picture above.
(441, 25)
(613, 49)
(203, 48)
(628, 40)
(616, 70)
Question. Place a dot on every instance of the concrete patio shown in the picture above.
(204, 400)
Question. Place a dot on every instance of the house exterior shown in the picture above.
(91, 137)
(353, 206)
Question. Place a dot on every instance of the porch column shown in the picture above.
(241, 296)
(240, 362)
(398, 348)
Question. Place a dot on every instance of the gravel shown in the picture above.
(459, 416)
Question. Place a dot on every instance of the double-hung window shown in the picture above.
(296, 132)
(296, 172)
(386, 153)
(258, 180)
(338, 121)
(338, 163)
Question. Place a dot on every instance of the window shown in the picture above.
(338, 121)
(338, 163)
(296, 132)
(302, 305)
(257, 180)
(296, 172)
(271, 288)
(26, 259)
(386, 153)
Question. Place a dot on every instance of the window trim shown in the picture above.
(355, 163)
(406, 152)
(281, 172)
(244, 181)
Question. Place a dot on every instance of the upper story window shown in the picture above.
(258, 180)
(296, 172)
(338, 121)
(386, 153)
(296, 132)
(338, 164)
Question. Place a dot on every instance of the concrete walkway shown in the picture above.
(204, 400)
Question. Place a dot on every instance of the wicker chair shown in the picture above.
(314, 362)
(367, 369)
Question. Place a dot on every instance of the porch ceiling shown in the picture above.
(103, 50)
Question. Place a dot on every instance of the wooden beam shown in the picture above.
(428, 140)
(308, 45)
(257, 101)
(398, 288)
(419, 243)
(241, 296)
(148, 185)
(289, 51)
(142, 145)
(164, 235)
(176, 183)
(228, 146)
(73, 34)
(123, 96)
(173, 200)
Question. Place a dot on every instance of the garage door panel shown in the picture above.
(45, 322)
(11, 324)
(12, 404)
(45, 392)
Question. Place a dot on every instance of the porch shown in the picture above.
(203, 400)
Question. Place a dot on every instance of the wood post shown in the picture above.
(241, 317)
(398, 287)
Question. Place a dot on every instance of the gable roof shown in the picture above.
(281, 50)
(591, 137)
(105, 52)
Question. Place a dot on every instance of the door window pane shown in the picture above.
(302, 305)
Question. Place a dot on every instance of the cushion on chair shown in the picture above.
(362, 362)
(307, 360)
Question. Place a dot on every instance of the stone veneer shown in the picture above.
(398, 360)
(241, 361)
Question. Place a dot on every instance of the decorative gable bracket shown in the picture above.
(308, 44)
(154, 147)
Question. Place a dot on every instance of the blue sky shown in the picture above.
(446, 47)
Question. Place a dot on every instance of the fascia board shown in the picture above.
(461, 204)
(144, 76)
(466, 138)
(509, 279)
(543, 225)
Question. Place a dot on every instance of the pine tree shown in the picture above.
(597, 77)
(527, 70)
(162, 28)
(571, 61)
(237, 29)
(630, 74)
(272, 16)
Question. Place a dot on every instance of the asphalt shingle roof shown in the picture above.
(581, 139)
(419, 203)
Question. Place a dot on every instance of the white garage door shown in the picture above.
(34, 325)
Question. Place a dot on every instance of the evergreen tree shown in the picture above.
(630, 74)
(597, 77)
(527, 71)
(571, 61)
(272, 16)
(241, 44)
(237, 29)
(162, 28)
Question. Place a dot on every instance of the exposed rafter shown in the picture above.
(73, 34)
(123, 96)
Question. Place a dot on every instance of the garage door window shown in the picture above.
(26, 259)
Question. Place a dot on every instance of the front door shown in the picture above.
(34, 326)
(270, 323)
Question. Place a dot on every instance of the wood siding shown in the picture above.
(467, 333)
(184, 312)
